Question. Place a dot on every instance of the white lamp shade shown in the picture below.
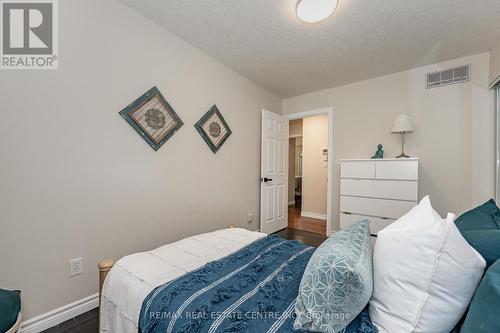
(402, 124)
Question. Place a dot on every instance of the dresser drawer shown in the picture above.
(397, 170)
(375, 207)
(376, 223)
(383, 189)
(355, 169)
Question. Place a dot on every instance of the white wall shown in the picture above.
(77, 180)
(315, 170)
(453, 137)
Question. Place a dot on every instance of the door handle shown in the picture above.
(265, 180)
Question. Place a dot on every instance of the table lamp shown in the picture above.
(402, 125)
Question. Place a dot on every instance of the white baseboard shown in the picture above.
(313, 215)
(291, 202)
(50, 319)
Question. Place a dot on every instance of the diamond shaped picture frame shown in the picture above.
(213, 129)
(153, 118)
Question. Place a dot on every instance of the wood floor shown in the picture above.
(84, 323)
(295, 221)
(304, 237)
(87, 322)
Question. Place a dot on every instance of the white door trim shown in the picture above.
(300, 115)
(329, 195)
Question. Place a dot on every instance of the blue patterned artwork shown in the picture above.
(153, 118)
(338, 281)
(213, 129)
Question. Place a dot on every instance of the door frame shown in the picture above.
(329, 194)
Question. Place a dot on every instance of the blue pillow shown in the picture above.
(481, 228)
(337, 282)
(486, 242)
(484, 217)
(483, 315)
(10, 306)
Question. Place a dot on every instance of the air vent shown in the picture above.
(449, 76)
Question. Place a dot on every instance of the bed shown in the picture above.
(424, 272)
(133, 277)
(230, 280)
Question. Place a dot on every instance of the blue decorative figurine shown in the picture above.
(379, 153)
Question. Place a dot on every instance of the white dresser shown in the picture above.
(380, 190)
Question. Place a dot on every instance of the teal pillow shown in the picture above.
(337, 282)
(486, 242)
(10, 306)
(484, 217)
(483, 315)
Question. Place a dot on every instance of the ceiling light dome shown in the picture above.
(312, 11)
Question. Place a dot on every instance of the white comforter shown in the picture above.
(133, 277)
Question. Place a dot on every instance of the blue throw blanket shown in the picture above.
(252, 290)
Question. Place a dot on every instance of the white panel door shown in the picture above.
(274, 173)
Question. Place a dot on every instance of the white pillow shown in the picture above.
(425, 273)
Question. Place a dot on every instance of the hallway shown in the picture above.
(295, 221)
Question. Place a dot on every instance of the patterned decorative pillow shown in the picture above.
(338, 281)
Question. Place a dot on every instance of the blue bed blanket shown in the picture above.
(252, 290)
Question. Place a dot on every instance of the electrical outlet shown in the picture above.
(75, 266)
(250, 218)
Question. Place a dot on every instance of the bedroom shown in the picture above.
(78, 181)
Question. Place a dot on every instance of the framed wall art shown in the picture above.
(213, 129)
(153, 118)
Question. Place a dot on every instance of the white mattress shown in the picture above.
(133, 277)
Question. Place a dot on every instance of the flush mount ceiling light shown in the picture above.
(312, 11)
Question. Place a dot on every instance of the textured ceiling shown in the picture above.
(264, 41)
